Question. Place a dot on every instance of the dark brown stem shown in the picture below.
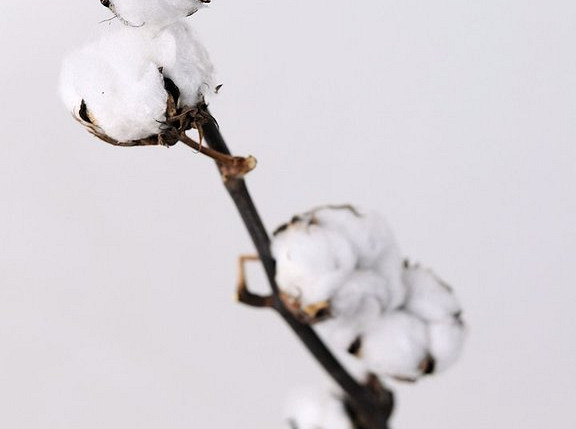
(372, 410)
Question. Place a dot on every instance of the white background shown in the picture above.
(117, 266)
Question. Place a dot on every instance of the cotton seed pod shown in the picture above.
(138, 13)
(313, 408)
(428, 296)
(126, 86)
(397, 346)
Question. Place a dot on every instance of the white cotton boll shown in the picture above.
(313, 408)
(446, 342)
(120, 78)
(396, 345)
(311, 262)
(429, 297)
(124, 93)
(142, 12)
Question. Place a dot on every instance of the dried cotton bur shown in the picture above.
(340, 270)
(144, 86)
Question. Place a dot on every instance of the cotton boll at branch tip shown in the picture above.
(314, 408)
(138, 13)
(397, 346)
(428, 296)
(121, 87)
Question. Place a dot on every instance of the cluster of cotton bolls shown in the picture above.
(341, 271)
(120, 85)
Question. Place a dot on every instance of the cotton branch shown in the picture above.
(370, 406)
(400, 320)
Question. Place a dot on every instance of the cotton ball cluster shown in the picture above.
(138, 13)
(342, 271)
(312, 408)
(119, 85)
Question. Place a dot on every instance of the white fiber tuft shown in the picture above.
(396, 346)
(120, 78)
(139, 13)
(313, 408)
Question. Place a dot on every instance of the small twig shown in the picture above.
(230, 166)
(243, 294)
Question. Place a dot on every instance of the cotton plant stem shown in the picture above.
(372, 409)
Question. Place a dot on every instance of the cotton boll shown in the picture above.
(118, 83)
(446, 342)
(341, 337)
(142, 12)
(428, 297)
(396, 345)
(311, 262)
(312, 408)
(125, 99)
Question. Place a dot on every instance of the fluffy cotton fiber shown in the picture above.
(397, 346)
(120, 78)
(322, 250)
(388, 318)
(139, 13)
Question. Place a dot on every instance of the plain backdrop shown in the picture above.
(456, 119)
